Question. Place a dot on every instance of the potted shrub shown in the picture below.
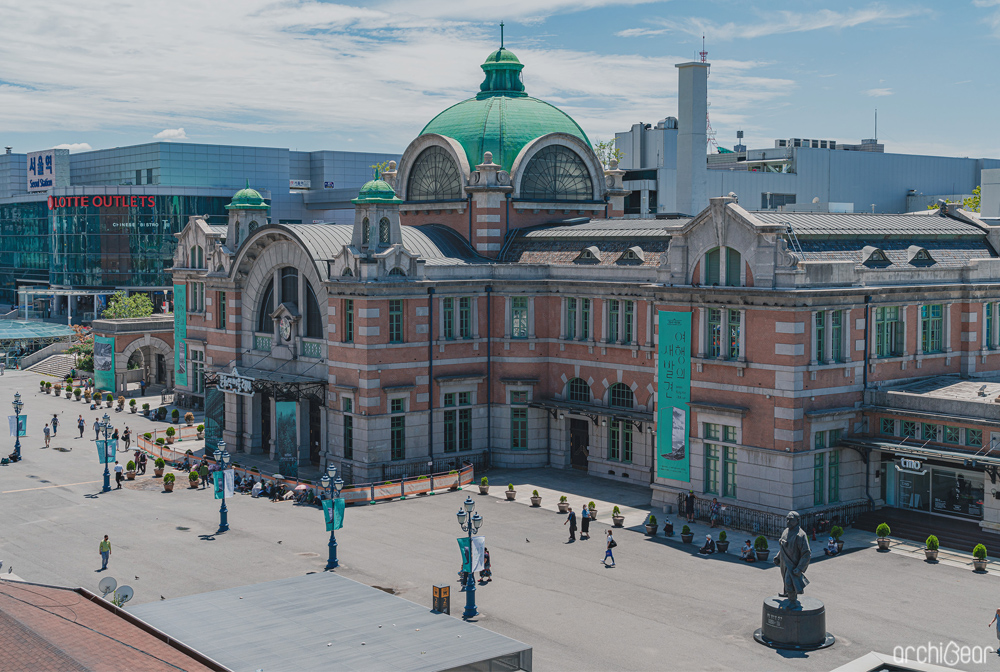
(454, 486)
(484, 486)
(86, 395)
(161, 413)
(48, 387)
(189, 418)
(616, 517)
(175, 416)
(121, 402)
(979, 558)
(170, 434)
(593, 510)
(760, 546)
(130, 470)
(254, 470)
(58, 388)
(687, 536)
(41, 385)
(931, 548)
(158, 465)
(722, 544)
(132, 406)
(563, 504)
(145, 410)
(69, 392)
(109, 399)
(193, 479)
(836, 532)
(77, 393)
(536, 499)
(148, 436)
(168, 482)
(201, 431)
(882, 532)
(651, 526)
(511, 492)
(159, 441)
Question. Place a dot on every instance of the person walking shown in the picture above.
(584, 523)
(996, 619)
(55, 424)
(203, 472)
(714, 510)
(142, 463)
(3, 365)
(142, 387)
(46, 432)
(127, 437)
(97, 429)
(689, 506)
(119, 475)
(105, 549)
(486, 575)
(81, 425)
(610, 543)
(571, 519)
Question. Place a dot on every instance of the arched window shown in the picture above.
(314, 324)
(579, 390)
(197, 257)
(398, 271)
(621, 396)
(383, 231)
(348, 272)
(253, 226)
(264, 309)
(290, 285)
(556, 173)
(434, 177)
(366, 234)
(721, 260)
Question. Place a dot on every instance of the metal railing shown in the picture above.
(770, 524)
(262, 343)
(480, 461)
(312, 349)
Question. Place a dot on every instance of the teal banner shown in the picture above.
(673, 395)
(215, 417)
(106, 451)
(180, 333)
(333, 511)
(104, 363)
(287, 444)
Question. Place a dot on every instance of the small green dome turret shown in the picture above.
(247, 199)
(376, 191)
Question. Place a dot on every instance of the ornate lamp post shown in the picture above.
(105, 424)
(223, 458)
(470, 522)
(334, 485)
(18, 405)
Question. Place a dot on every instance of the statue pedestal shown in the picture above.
(801, 629)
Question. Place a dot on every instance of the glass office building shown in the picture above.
(108, 222)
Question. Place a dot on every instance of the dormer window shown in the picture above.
(919, 255)
(874, 256)
(589, 254)
(723, 267)
(633, 253)
(383, 231)
(365, 232)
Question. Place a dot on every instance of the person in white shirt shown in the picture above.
(255, 491)
(119, 475)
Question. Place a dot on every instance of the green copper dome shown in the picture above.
(247, 199)
(376, 191)
(502, 118)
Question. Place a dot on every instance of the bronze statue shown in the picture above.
(793, 558)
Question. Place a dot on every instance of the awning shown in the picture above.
(986, 458)
(278, 384)
(595, 413)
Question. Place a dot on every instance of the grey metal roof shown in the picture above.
(610, 228)
(857, 224)
(325, 241)
(323, 621)
(218, 229)
(945, 253)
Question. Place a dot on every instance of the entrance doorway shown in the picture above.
(161, 369)
(314, 433)
(579, 439)
(265, 424)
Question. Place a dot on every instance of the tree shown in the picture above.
(121, 305)
(380, 168)
(974, 202)
(606, 151)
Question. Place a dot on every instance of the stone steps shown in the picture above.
(58, 366)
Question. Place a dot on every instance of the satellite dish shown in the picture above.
(124, 594)
(107, 585)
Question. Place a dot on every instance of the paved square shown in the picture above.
(662, 607)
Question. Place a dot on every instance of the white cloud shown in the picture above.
(641, 32)
(75, 147)
(171, 134)
(878, 93)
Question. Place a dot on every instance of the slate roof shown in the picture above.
(563, 243)
(860, 224)
(945, 253)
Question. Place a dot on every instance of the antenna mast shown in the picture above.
(709, 131)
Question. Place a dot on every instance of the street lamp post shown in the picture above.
(222, 457)
(470, 522)
(18, 405)
(105, 424)
(334, 485)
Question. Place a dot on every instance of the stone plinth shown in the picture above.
(802, 628)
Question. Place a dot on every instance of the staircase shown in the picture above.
(56, 365)
(959, 535)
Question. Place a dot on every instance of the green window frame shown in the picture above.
(833, 489)
(888, 332)
(584, 319)
(728, 471)
(734, 266)
(952, 435)
(221, 298)
(519, 428)
(932, 329)
(449, 399)
(819, 440)
(612, 329)
(629, 335)
(570, 319)
(834, 437)
(614, 440)
(711, 469)
(887, 426)
(714, 332)
(348, 320)
(819, 481)
(711, 431)
(448, 317)
(465, 429)
(910, 429)
(729, 434)
(820, 332)
(397, 429)
(712, 270)
(464, 398)
(450, 439)
(465, 317)
(519, 317)
(974, 438)
(734, 333)
(395, 320)
(929, 432)
(397, 406)
(348, 429)
(837, 335)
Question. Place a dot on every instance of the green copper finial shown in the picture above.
(501, 34)
(248, 183)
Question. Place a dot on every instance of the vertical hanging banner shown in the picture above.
(106, 451)
(224, 480)
(18, 425)
(104, 363)
(333, 511)
(215, 416)
(180, 333)
(673, 395)
(287, 443)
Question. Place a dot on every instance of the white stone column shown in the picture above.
(904, 319)
(828, 336)
(812, 340)
(563, 309)
(920, 330)
(846, 330)
(946, 321)
(702, 333)
(995, 331)
(743, 335)
(531, 317)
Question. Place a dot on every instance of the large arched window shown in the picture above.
(314, 325)
(723, 266)
(556, 173)
(434, 177)
(365, 231)
(264, 309)
(621, 396)
(579, 390)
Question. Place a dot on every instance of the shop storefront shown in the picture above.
(936, 486)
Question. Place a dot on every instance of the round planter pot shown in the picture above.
(931, 555)
(687, 538)
(170, 439)
(193, 484)
(201, 435)
(978, 565)
(133, 409)
(762, 555)
(190, 424)
(883, 543)
(130, 475)
(484, 489)
(511, 494)
(840, 546)
(563, 507)
(145, 412)
(723, 546)
(157, 473)
(169, 487)
(618, 521)
(536, 501)
(69, 395)
(651, 530)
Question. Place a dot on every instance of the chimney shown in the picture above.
(692, 139)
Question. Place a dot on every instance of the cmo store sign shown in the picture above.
(911, 465)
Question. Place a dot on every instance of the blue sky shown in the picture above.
(367, 76)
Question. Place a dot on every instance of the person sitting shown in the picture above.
(186, 464)
(709, 547)
(831, 547)
(746, 553)
(255, 489)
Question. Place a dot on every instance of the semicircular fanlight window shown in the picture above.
(556, 173)
(434, 177)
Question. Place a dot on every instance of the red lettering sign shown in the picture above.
(56, 202)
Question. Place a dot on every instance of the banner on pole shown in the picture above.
(106, 451)
(333, 512)
(224, 483)
(477, 559)
(18, 425)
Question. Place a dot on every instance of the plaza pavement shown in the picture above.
(662, 607)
